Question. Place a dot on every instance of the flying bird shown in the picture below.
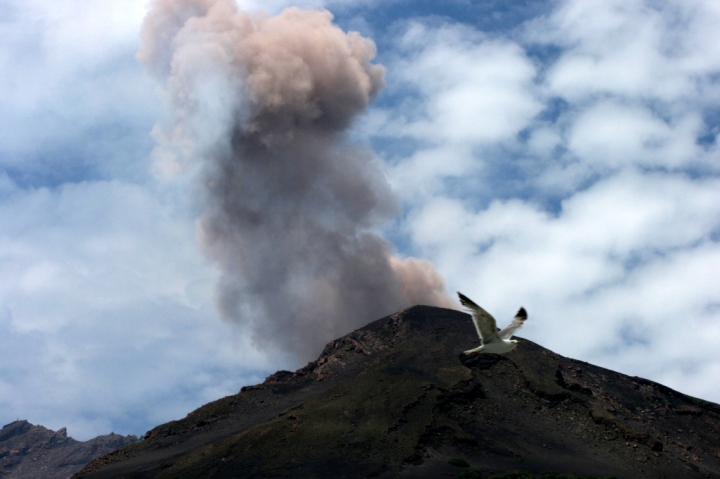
(493, 339)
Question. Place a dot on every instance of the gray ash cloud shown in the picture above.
(261, 107)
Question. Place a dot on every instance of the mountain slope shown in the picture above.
(395, 399)
(34, 452)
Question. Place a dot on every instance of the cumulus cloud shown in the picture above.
(592, 197)
(638, 49)
(101, 286)
(476, 88)
(622, 261)
(74, 102)
(636, 81)
(466, 92)
(465, 97)
(101, 291)
(611, 134)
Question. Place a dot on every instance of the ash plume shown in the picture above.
(261, 107)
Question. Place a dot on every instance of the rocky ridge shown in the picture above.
(34, 452)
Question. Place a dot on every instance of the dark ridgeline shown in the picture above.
(34, 452)
(395, 399)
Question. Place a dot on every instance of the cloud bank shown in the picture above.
(582, 182)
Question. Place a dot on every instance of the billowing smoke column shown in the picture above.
(264, 104)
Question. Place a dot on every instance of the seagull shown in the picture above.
(493, 340)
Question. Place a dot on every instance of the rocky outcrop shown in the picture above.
(34, 452)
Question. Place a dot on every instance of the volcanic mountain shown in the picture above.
(395, 399)
(34, 452)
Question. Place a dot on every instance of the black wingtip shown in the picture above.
(522, 314)
(464, 300)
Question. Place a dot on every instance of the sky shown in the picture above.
(559, 155)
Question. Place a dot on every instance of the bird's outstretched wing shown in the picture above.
(517, 323)
(484, 322)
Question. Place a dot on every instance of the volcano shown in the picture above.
(396, 399)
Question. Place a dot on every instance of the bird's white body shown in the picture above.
(493, 340)
(495, 347)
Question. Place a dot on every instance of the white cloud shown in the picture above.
(107, 313)
(423, 173)
(71, 87)
(464, 93)
(638, 49)
(613, 134)
(633, 249)
(632, 84)
(593, 202)
(475, 90)
(543, 140)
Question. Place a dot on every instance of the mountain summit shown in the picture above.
(396, 399)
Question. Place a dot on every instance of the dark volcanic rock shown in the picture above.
(395, 399)
(33, 452)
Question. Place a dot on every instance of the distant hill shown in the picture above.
(34, 452)
(396, 399)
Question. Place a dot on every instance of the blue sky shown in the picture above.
(560, 155)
